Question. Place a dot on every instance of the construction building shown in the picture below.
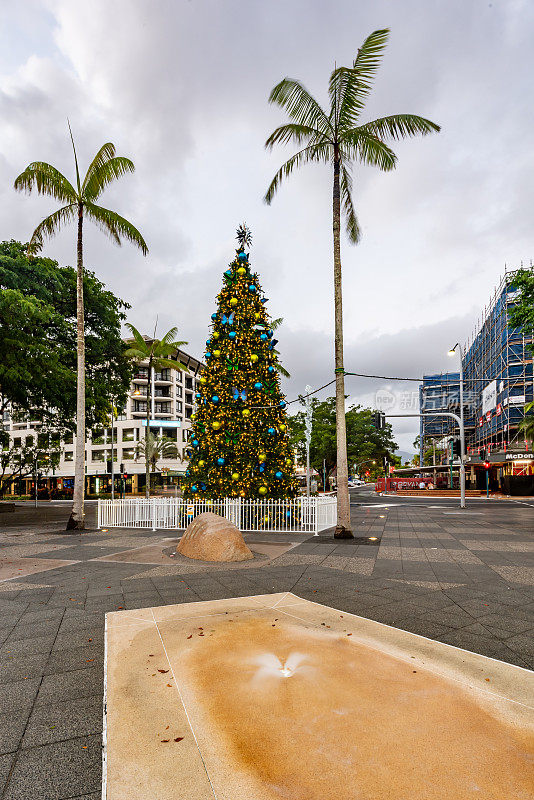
(498, 384)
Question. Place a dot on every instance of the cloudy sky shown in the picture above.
(181, 87)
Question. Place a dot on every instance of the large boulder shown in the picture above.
(211, 537)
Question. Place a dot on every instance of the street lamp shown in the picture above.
(451, 353)
(357, 466)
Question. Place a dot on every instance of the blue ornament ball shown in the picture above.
(197, 395)
(194, 488)
(220, 461)
(195, 442)
(282, 404)
(258, 385)
(214, 399)
(278, 474)
(252, 288)
(228, 272)
(271, 370)
(264, 337)
(232, 334)
(271, 431)
(288, 514)
(214, 317)
(270, 333)
(242, 256)
(208, 355)
(187, 472)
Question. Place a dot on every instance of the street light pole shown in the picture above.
(462, 433)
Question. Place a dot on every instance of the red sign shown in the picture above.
(481, 422)
(488, 416)
(498, 410)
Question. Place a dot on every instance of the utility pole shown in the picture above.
(112, 450)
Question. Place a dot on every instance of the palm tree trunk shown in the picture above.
(147, 432)
(77, 518)
(343, 529)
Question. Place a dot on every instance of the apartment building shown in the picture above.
(172, 403)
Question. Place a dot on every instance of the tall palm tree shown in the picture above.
(338, 137)
(156, 448)
(157, 352)
(79, 201)
(527, 425)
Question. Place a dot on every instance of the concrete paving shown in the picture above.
(462, 578)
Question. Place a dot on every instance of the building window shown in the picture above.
(139, 405)
(97, 455)
(68, 455)
(162, 408)
(97, 437)
(178, 391)
(128, 434)
(69, 437)
(128, 453)
(188, 383)
(17, 441)
(141, 372)
(138, 390)
(178, 407)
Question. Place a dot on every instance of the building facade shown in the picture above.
(497, 365)
(172, 404)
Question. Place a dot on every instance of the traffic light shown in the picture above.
(486, 465)
(378, 420)
(108, 465)
(122, 467)
(457, 448)
(483, 454)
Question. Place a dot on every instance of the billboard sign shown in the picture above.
(163, 423)
(489, 397)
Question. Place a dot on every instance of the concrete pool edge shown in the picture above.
(509, 683)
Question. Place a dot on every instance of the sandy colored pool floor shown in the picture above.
(277, 698)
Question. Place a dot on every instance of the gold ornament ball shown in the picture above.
(257, 315)
(242, 494)
(262, 457)
(289, 462)
(216, 334)
(215, 425)
(246, 412)
(216, 353)
(233, 301)
(201, 463)
(235, 476)
(203, 381)
(282, 427)
(241, 271)
(262, 490)
(253, 358)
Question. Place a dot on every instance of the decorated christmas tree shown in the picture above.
(239, 443)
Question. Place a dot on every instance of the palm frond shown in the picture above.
(275, 323)
(299, 104)
(104, 174)
(348, 87)
(169, 336)
(351, 220)
(78, 183)
(168, 363)
(106, 152)
(361, 144)
(400, 126)
(135, 354)
(295, 132)
(115, 226)
(47, 180)
(51, 225)
(140, 341)
(283, 371)
(322, 152)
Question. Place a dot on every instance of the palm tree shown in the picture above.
(157, 353)
(156, 448)
(80, 202)
(527, 425)
(337, 137)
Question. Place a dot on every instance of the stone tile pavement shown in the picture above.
(464, 579)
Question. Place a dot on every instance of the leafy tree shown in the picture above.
(17, 462)
(338, 137)
(157, 353)
(156, 448)
(365, 443)
(78, 203)
(239, 442)
(428, 453)
(38, 329)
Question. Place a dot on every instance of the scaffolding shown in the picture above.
(494, 352)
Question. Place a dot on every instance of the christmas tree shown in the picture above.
(239, 443)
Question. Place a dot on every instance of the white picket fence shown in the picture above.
(299, 515)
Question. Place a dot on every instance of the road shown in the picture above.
(366, 495)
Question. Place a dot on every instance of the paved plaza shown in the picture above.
(461, 577)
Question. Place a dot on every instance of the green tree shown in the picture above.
(157, 353)
(365, 443)
(38, 329)
(239, 446)
(78, 203)
(338, 137)
(156, 448)
(30, 457)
